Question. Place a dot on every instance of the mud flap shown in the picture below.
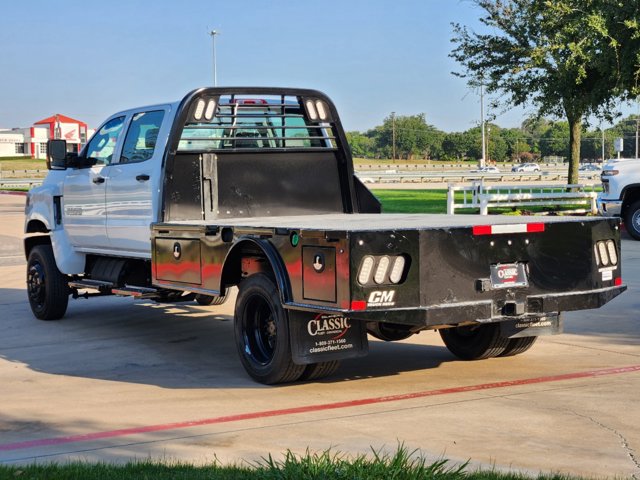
(325, 337)
(532, 327)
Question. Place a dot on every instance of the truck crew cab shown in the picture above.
(255, 187)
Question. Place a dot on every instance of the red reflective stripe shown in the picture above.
(482, 230)
(535, 227)
(499, 229)
(358, 305)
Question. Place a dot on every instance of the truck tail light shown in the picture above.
(602, 252)
(386, 269)
(611, 250)
(381, 271)
(606, 253)
(311, 110)
(322, 110)
(365, 270)
(398, 270)
(197, 113)
(211, 108)
(317, 110)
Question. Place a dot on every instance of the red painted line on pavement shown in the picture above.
(11, 192)
(311, 408)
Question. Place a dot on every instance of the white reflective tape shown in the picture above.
(518, 228)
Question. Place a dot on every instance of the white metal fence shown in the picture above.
(481, 196)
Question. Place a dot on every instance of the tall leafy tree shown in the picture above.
(556, 55)
(517, 146)
(553, 142)
(413, 137)
(458, 145)
(361, 145)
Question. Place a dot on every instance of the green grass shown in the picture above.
(22, 163)
(328, 465)
(412, 201)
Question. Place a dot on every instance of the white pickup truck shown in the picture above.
(254, 188)
(621, 193)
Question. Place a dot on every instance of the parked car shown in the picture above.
(526, 167)
(486, 170)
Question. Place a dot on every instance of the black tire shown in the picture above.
(47, 288)
(210, 299)
(474, 342)
(632, 220)
(516, 346)
(262, 332)
(316, 371)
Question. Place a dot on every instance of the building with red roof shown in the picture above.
(32, 141)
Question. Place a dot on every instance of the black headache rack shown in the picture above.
(248, 151)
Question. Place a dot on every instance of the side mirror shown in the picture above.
(57, 154)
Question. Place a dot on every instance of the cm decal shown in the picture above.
(384, 298)
(335, 326)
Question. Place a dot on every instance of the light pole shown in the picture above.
(213, 34)
(637, 129)
(487, 155)
(393, 134)
(482, 124)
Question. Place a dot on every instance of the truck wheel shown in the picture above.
(262, 332)
(516, 346)
(316, 371)
(474, 342)
(47, 288)
(210, 299)
(632, 220)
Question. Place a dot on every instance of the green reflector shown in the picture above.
(295, 239)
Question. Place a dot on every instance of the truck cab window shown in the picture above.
(140, 141)
(101, 146)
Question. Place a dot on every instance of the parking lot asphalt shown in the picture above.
(119, 379)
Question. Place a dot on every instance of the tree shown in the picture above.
(555, 55)
(517, 146)
(362, 146)
(627, 129)
(622, 22)
(457, 145)
(554, 141)
(497, 147)
(413, 137)
(534, 128)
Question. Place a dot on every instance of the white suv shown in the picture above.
(621, 193)
(526, 167)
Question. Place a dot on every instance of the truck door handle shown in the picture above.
(98, 180)
(142, 177)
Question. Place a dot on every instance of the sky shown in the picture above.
(89, 59)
